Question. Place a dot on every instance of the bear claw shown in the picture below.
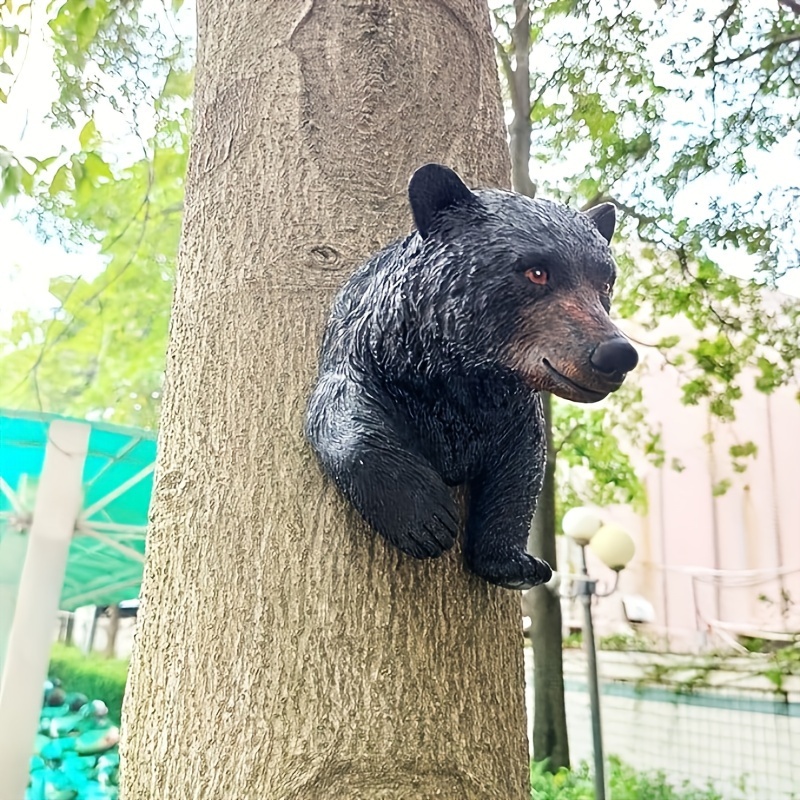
(522, 572)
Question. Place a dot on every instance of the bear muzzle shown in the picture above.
(608, 365)
(570, 387)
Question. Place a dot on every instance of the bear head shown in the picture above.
(520, 282)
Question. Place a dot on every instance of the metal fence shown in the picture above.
(723, 722)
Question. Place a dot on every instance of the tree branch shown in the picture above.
(570, 433)
(711, 53)
(508, 70)
(773, 45)
(602, 197)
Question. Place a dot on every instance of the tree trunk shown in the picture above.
(550, 741)
(283, 650)
(519, 81)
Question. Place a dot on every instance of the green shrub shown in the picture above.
(96, 677)
(624, 784)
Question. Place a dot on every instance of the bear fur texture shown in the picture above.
(434, 356)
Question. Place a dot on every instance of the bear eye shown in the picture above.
(607, 289)
(537, 276)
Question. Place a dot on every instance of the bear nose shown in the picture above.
(614, 355)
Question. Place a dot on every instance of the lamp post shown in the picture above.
(615, 549)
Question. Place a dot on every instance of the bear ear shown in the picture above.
(604, 217)
(432, 188)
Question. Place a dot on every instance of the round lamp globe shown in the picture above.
(581, 524)
(613, 545)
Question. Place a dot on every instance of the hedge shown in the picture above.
(97, 677)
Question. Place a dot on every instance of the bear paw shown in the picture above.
(424, 526)
(523, 571)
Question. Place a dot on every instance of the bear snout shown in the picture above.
(614, 357)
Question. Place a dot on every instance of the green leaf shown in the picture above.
(9, 38)
(96, 170)
(61, 287)
(9, 182)
(88, 136)
(42, 163)
(775, 676)
(86, 26)
(179, 83)
(744, 450)
(60, 182)
(721, 487)
(26, 181)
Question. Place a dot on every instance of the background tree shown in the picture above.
(542, 605)
(594, 115)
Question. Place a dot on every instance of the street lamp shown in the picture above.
(615, 548)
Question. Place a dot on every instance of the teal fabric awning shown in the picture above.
(74, 499)
(106, 554)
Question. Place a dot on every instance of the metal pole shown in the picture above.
(587, 591)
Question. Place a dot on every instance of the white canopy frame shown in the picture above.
(39, 540)
(58, 503)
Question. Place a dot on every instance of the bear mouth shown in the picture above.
(591, 395)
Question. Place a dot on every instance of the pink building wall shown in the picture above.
(751, 533)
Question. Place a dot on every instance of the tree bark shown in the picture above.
(283, 650)
(112, 631)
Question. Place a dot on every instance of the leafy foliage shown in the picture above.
(103, 349)
(593, 447)
(624, 784)
(608, 87)
(15, 22)
(115, 52)
(644, 106)
(611, 115)
(101, 353)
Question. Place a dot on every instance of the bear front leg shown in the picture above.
(371, 457)
(501, 505)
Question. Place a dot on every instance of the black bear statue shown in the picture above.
(434, 356)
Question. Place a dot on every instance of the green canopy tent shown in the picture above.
(74, 497)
